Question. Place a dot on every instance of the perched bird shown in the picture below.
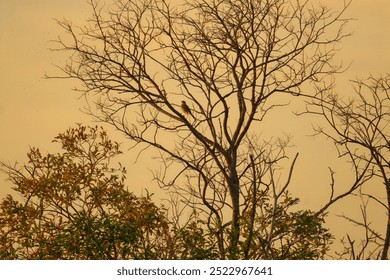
(186, 110)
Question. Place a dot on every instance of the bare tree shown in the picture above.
(231, 62)
(371, 245)
(359, 127)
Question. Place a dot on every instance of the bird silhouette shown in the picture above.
(186, 110)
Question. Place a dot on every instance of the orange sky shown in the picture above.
(33, 110)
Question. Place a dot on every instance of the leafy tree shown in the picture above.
(74, 205)
(205, 74)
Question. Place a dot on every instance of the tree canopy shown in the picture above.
(75, 205)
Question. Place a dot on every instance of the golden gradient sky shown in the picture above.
(33, 110)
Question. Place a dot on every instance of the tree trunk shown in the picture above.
(387, 238)
(235, 227)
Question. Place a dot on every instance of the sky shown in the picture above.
(33, 110)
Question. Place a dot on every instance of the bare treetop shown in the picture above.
(223, 57)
